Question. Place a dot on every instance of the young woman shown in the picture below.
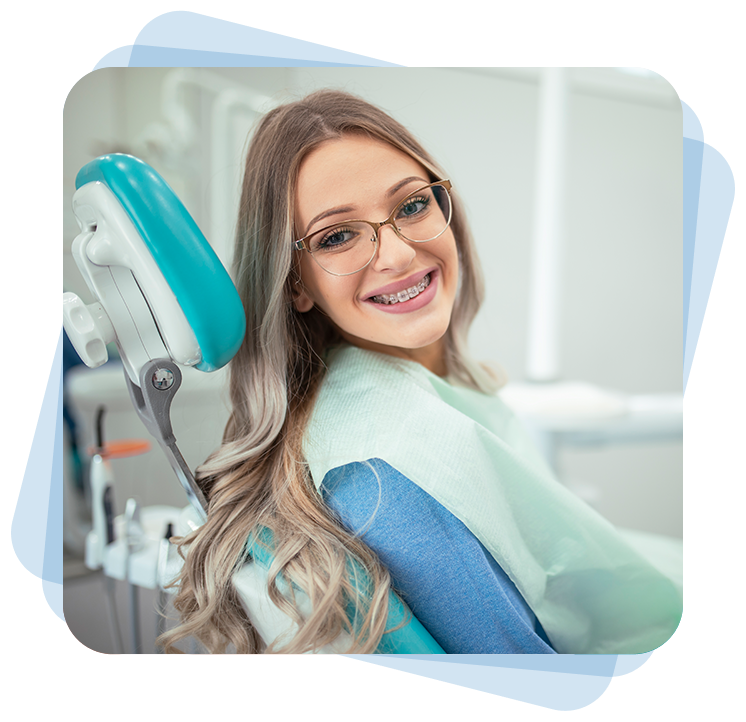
(364, 437)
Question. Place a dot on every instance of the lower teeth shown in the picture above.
(403, 296)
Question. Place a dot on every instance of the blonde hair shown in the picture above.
(258, 478)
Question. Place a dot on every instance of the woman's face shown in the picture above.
(357, 177)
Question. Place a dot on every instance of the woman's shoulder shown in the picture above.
(371, 405)
(361, 398)
(357, 379)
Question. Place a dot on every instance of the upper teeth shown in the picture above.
(404, 295)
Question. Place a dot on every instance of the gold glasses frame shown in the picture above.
(445, 183)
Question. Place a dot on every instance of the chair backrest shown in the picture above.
(405, 634)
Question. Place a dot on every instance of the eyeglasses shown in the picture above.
(346, 248)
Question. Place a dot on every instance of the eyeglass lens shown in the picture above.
(350, 246)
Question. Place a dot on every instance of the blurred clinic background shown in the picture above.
(572, 180)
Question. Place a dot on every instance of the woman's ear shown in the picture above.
(301, 300)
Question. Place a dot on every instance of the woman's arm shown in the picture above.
(451, 583)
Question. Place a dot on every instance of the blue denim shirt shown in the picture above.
(440, 569)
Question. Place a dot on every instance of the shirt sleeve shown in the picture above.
(449, 580)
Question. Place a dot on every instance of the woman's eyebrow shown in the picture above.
(349, 209)
(398, 186)
(325, 214)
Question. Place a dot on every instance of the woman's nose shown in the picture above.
(394, 253)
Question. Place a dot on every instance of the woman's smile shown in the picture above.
(401, 302)
(400, 297)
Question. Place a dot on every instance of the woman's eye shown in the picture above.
(413, 207)
(335, 239)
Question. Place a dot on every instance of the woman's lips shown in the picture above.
(413, 304)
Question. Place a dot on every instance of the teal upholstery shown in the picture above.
(202, 286)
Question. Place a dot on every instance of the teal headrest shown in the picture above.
(198, 279)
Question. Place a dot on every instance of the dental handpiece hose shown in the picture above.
(163, 554)
(134, 537)
(102, 534)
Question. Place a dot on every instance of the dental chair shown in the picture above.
(163, 296)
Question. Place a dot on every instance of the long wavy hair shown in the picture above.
(258, 480)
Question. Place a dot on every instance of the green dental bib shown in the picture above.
(592, 591)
